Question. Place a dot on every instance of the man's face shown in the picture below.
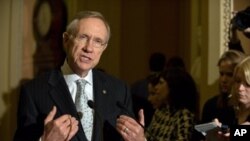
(226, 76)
(84, 49)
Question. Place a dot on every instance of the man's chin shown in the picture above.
(84, 66)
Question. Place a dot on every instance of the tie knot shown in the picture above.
(81, 83)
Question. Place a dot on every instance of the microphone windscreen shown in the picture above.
(90, 104)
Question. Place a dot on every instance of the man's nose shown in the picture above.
(88, 46)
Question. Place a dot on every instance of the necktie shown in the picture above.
(82, 106)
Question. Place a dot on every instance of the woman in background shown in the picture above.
(240, 96)
(175, 99)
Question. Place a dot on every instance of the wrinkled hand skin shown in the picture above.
(60, 129)
(135, 132)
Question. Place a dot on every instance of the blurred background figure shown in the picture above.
(240, 98)
(176, 62)
(139, 90)
(240, 22)
(218, 106)
(175, 99)
(241, 92)
(234, 41)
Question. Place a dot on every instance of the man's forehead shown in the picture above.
(92, 24)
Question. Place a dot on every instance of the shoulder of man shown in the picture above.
(104, 76)
(43, 77)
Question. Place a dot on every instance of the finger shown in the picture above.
(141, 117)
(64, 125)
(73, 129)
(51, 115)
(246, 123)
(247, 30)
(72, 133)
(119, 124)
(125, 118)
(63, 120)
(126, 121)
(227, 134)
(69, 128)
(121, 129)
(218, 123)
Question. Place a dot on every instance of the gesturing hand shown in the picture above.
(60, 129)
(130, 129)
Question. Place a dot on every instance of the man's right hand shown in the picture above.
(60, 129)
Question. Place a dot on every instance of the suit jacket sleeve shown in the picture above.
(29, 124)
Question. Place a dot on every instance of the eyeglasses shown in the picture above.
(83, 39)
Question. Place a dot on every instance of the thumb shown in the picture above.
(141, 117)
(218, 123)
(50, 116)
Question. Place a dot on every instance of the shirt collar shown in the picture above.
(71, 77)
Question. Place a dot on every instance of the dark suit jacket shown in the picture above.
(38, 96)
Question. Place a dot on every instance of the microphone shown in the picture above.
(92, 106)
(127, 112)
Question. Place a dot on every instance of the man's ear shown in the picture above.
(65, 41)
(65, 37)
(105, 46)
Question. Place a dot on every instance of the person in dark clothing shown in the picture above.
(240, 22)
(240, 101)
(139, 89)
(218, 106)
(76, 102)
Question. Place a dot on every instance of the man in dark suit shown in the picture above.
(47, 108)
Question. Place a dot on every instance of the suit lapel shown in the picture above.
(63, 100)
(60, 94)
(105, 108)
(98, 125)
(100, 100)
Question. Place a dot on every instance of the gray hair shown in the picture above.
(72, 26)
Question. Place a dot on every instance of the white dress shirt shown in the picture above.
(70, 78)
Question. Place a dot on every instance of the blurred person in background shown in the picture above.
(218, 106)
(240, 98)
(175, 100)
(139, 90)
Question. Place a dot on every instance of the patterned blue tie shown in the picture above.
(82, 106)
